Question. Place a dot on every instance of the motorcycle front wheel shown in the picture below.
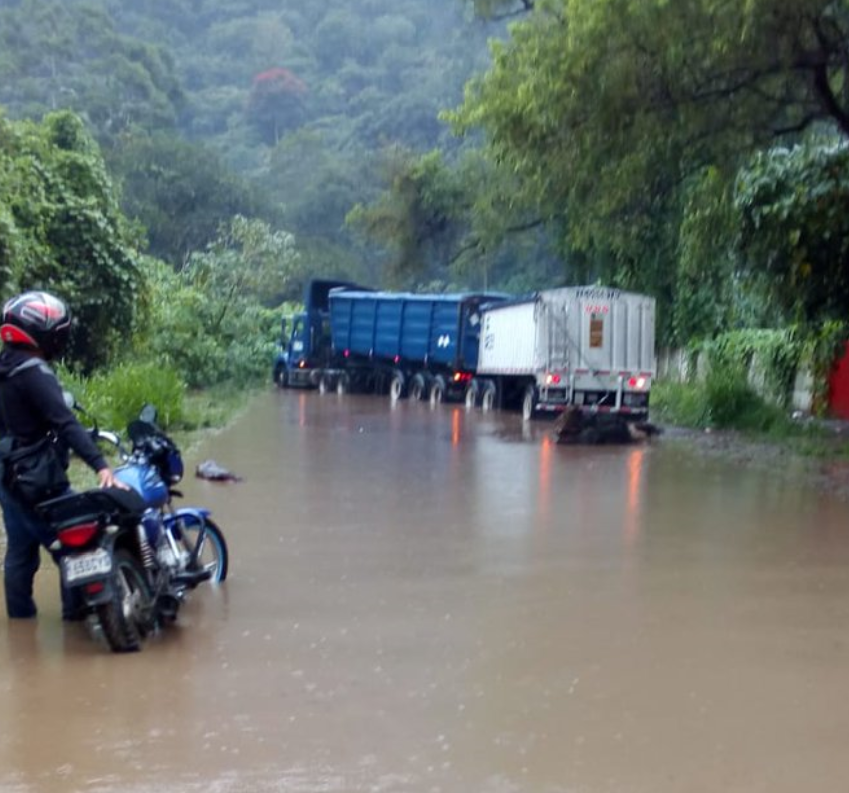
(126, 618)
(212, 553)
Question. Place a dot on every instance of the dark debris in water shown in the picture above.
(211, 470)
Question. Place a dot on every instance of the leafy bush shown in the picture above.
(731, 401)
(724, 400)
(241, 348)
(114, 398)
(61, 228)
(776, 353)
(208, 321)
(682, 404)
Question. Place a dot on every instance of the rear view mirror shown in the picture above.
(148, 414)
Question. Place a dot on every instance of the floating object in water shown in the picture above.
(209, 469)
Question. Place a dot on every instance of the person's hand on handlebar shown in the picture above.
(106, 478)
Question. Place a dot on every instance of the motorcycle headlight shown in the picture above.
(174, 467)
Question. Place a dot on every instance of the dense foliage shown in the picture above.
(209, 321)
(615, 117)
(60, 228)
(794, 227)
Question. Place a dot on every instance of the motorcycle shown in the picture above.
(130, 554)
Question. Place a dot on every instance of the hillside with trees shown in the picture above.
(288, 112)
(695, 151)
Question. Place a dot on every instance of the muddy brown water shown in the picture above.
(433, 600)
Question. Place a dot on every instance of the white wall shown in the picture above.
(675, 365)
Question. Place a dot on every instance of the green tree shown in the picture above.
(180, 192)
(377, 72)
(248, 261)
(213, 320)
(605, 111)
(276, 103)
(61, 229)
(456, 222)
(793, 209)
(70, 55)
(190, 332)
(413, 218)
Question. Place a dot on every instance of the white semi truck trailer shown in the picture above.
(590, 348)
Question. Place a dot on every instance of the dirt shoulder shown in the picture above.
(822, 463)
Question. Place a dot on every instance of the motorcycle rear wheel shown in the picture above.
(126, 619)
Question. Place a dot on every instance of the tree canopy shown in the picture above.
(240, 79)
(61, 229)
(607, 112)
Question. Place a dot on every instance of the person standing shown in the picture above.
(34, 330)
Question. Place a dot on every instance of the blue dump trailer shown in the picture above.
(421, 346)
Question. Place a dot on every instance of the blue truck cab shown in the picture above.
(305, 347)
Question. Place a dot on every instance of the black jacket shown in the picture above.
(32, 404)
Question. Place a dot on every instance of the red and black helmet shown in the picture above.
(36, 320)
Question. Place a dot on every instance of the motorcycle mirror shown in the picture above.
(148, 414)
(71, 402)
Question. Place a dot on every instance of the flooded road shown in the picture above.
(428, 600)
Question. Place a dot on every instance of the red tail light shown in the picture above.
(95, 587)
(78, 536)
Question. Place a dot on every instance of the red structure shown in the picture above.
(838, 386)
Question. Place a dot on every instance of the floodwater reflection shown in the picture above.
(433, 599)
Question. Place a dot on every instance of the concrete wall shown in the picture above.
(676, 365)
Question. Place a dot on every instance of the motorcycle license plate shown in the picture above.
(87, 565)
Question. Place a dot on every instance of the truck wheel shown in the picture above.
(343, 385)
(397, 386)
(418, 387)
(437, 390)
(281, 377)
(488, 394)
(472, 395)
(323, 384)
(529, 403)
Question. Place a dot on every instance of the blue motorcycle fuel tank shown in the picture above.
(146, 482)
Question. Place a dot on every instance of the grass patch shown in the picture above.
(728, 406)
(201, 412)
(210, 410)
(679, 404)
(725, 401)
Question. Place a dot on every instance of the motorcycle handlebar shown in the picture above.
(112, 438)
(109, 437)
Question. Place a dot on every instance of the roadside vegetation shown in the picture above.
(144, 331)
(742, 382)
(177, 170)
(724, 401)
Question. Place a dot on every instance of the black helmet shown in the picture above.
(36, 320)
